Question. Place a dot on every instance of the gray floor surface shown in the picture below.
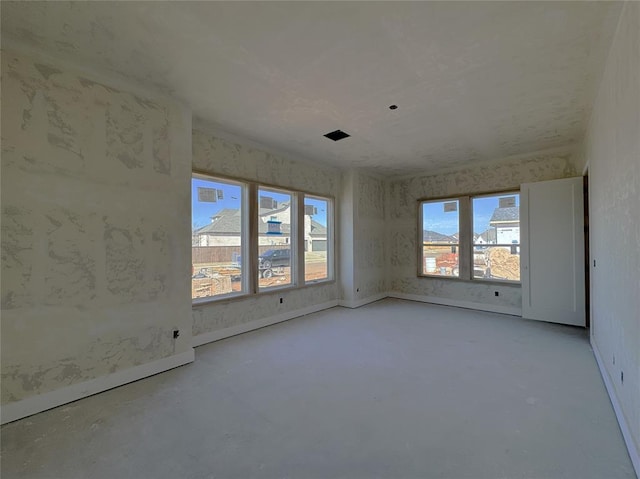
(395, 389)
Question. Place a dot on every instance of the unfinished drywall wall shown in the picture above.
(402, 226)
(95, 213)
(346, 250)
(362, 238)
(370, 236)
(612, 152)
(215, 155)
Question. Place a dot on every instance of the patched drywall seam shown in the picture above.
(95, 206)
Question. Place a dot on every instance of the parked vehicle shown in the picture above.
(274, 258)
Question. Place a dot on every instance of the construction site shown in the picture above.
(214, 279)
(492, 262)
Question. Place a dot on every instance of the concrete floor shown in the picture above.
(394, 389)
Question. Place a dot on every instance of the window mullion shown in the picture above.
(331, 240)
(298, 273)
(466, 239)
(253, 238)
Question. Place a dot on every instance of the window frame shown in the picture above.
(244, 236)
(250, 249)
(504, 245)
(421, 242)
(465, 243)
(330, 240)
(293, 234)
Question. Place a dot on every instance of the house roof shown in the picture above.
(505, 214)
(317, 229)
(227, 212)
(435, 237)
(225, 221)
(228, 222)
(271, 211)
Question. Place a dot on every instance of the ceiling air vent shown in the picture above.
(337, 135)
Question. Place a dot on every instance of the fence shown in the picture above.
(223, 254)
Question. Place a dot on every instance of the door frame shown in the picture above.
(588, 292)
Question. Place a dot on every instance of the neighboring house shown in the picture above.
(225, 226)
(487, 237)
(506, 224)
(224, 230)
(315, 235)
(282, 215)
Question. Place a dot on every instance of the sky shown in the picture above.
(202, 211)
(436, 219)
(434, 216)
(321, 207)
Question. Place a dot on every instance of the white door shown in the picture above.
(552, 262)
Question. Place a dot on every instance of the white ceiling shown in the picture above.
(473, 81)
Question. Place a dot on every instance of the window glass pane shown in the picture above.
(316, 239)
(440, 260)
(440, 237)
(274, 238)
(496, 237)
(441, 221)
(217, 238)
(497, 262)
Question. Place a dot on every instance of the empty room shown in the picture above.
(320, 239)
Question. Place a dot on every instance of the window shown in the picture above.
(276, 225)
(249, 238)
(440, 222)
(471, 237)
(218, 237)
(496, 237)
(317, 238)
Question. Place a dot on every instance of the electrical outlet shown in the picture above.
(357, 290)
(176, 333)
(622, 377)
(496, 293)
(281, 300)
